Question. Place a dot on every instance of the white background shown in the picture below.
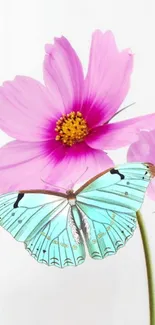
(113, 291)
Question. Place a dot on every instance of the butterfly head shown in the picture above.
(70, 194)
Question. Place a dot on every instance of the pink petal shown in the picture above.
(143, 149)
(26, 166)
(26, 109)
(63, 73)
(74, 166)
(119, 134)
(21, 165)
(151, 190)
(108, 78)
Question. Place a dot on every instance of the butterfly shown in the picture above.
(102, 213)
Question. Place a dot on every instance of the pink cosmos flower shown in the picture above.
(63, 127)
(143, 150)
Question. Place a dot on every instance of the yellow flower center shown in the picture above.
(71, 128)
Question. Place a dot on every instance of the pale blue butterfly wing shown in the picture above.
(108, 207)
(46, 226)
(105, 210)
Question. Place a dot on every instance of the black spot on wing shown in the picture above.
(19, 197)
(115, 171)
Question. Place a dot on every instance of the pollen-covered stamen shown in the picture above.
(71, 128)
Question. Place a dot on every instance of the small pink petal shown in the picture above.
(21, 165)
(26, 109)
(143, 149)
(116, 135)
(151, 190)
(63, 73)
(75, 162)
(108, 79)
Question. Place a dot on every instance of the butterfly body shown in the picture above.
(71, 197)
(103, 210)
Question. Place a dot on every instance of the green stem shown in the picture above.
(149, 267)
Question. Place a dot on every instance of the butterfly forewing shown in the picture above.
(23, 215)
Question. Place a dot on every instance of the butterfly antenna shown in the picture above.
(120, 111)
(79, 177)
(52, 184)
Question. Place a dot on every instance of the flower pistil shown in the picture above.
(71, 128)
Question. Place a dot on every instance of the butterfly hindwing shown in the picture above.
(46, 226)
(108, 207)
(54, 246)
(105, 231)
